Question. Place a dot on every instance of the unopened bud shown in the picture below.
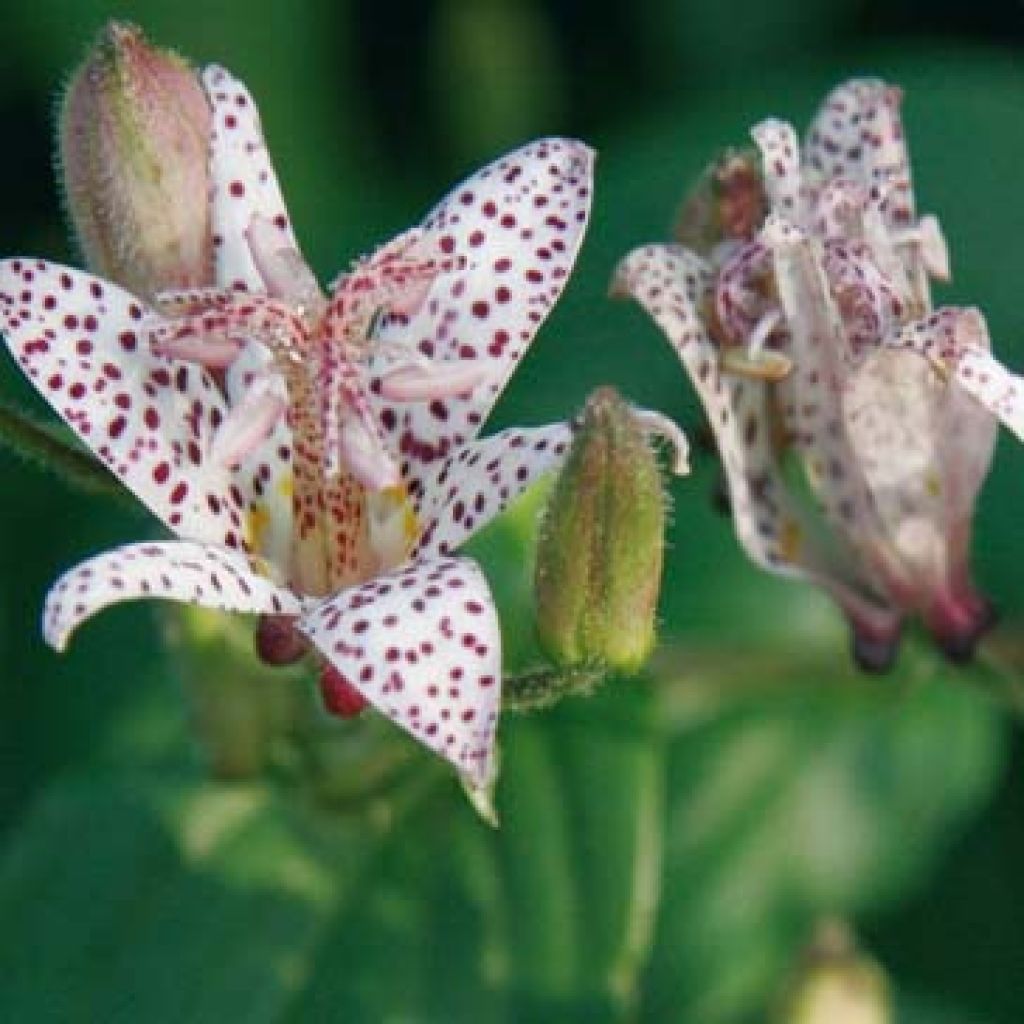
(133, 139)
(727, 202)
(278, 642)
(836, 984)
(599, 553)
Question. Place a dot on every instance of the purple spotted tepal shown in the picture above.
(801, 308)
(317, 455)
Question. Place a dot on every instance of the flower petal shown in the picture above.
(818, 348)
(423, 645)
(247, 208)
(858, 134)
(243, 185)
(83, 343)
(468, 489)
(780, 158)
(924, 449)
(518, 224)
(202, 574)
(673, 285)
(956, 342)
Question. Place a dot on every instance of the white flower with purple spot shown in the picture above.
(801, 319)
(317, 455)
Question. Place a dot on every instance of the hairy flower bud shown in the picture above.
(600, 548)
(133, 139)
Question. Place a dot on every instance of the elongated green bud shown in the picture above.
(599, 553)
(133, 138)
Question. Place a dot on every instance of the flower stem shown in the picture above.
(47, 446)
(542, 687)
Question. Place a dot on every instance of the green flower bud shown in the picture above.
(836, 984)
(599, 552)
(133, 137)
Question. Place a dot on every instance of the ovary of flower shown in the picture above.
(269, 528)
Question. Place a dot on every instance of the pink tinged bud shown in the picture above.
(133, 139)
(340, 697)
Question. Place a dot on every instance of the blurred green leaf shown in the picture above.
(797, 790)
(161, 901)
(913, 1009)
(664, 845)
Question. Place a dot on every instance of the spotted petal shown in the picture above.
(243, 185)
(924, 449)
(245, 196)
(673, 285)
(423, 645)
(82, 342)
(518, 224)
(780, 156)
(956, 342)
(858, 134)
(201, 574)
(467, 490)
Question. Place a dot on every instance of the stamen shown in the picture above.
(364, 456)
(250, 422)
(182, 341)
(767, 365)
(284, 271)
(413, 383)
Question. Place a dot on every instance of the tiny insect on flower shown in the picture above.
(800, 306)
(317, 455)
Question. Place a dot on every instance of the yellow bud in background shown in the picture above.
(132, 149)
(835, 983)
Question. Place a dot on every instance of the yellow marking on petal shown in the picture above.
(933, 485)
(790, 540)
(286, 486)
(257, 522)
(393, 526)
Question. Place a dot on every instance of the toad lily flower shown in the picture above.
(801, 320)
(332, 470)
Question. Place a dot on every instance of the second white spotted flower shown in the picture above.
(333, 467)
(800, 306)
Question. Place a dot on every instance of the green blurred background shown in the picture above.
(668, 844)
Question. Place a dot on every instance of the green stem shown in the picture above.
(542, 687)
(47, 446)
